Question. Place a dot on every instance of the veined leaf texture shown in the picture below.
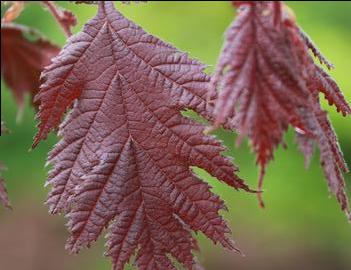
(125, 155)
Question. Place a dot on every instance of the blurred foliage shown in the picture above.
(301, 227)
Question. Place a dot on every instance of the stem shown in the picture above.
(13, 12)
(59, 16)
(260, 182)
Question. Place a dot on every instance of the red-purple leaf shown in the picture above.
(23, 59)
(268, 81)
(125, 156)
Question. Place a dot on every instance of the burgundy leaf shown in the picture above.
(24, 54)
(268, 81)
(125, 156)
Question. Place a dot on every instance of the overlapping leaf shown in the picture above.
(24, 54)
(268, 81)
(125, 156)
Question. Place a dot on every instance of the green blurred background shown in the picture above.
(302, 226)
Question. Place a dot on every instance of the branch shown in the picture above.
(65, 18)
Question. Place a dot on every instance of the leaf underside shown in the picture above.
(272, 82)
(24, 54)
(124, 158)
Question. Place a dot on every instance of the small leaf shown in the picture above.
(24, 54)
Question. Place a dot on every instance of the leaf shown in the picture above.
(24, 54)
(271, 82)
(125, 156)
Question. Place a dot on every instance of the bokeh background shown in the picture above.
(302, 226)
